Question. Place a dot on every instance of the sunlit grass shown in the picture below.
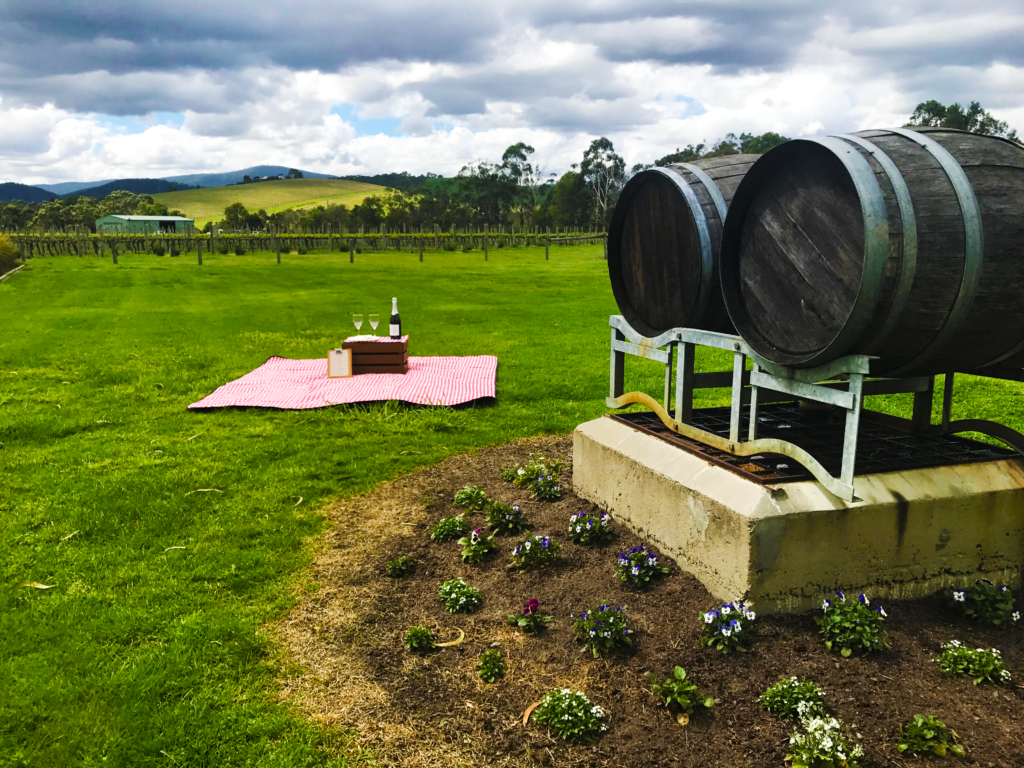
(271, 196)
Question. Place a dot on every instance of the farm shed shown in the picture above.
(139, 225)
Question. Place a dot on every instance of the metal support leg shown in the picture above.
(668, 377)
(947, 400)
(922, 415)
(684, 382)
(739, 362)
(617, 365)
(852, 427)
(752, 428)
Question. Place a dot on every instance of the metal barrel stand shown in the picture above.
(843, 383)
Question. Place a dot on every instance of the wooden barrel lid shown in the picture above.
(654, 255)
(801, 253)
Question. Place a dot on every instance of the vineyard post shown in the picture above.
(547, 244)
(351, 251)
(113, 250)
(277, 245)
(199, 250)
(421, 249)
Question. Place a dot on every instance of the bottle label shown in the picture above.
(396, 331)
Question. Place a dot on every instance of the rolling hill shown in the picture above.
(272, 196)
(11, 191)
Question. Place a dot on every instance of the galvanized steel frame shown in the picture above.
(803, 383)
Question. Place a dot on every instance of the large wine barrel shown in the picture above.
(663, 244)
(902, 244)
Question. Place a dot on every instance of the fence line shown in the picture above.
(81, 244)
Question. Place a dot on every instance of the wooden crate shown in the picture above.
(379, 356)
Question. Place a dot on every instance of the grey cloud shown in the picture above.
(589, 116)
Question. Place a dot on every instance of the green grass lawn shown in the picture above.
(171, 536)
(272, 196)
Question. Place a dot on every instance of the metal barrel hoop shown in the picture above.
(973, 245)
(711, 187)
(908, 266)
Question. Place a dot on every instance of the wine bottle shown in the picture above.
(396, 321)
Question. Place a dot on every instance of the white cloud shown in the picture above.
(465, 82)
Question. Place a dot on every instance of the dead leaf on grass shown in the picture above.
(682, 718)
(205, 490)
(462, 636)
(529, 711)
(35, 584)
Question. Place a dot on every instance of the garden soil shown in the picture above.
(353, 674)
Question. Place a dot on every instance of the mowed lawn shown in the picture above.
(271, 196)
(168, 537)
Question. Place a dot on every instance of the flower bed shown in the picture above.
(871, 694)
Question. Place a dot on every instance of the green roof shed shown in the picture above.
(140, 225)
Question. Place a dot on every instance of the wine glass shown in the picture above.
(374, 321)
(357, 321)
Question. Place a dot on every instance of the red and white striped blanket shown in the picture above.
(302, 384)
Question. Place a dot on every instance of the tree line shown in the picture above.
(514, 191)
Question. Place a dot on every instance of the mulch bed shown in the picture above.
(434, 710)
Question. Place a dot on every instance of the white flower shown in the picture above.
(708, 618)
(750, 615)
(958, 596)
(726, 610)
(726, 632)
(521, 472)
(526, 546)
(636, 570)
(1016, 615)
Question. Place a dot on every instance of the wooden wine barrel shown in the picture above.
(902, 244)
(663, 244)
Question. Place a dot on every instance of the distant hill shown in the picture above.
(11, 191)
(136, 186)
(234, 177)
(272, 196)
(401, 180)
(67, 187)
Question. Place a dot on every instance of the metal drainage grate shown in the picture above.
(880, 448)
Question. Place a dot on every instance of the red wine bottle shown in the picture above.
(396, 321)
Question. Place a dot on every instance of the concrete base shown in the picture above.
(784, 546)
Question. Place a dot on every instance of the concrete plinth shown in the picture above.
(909, 534)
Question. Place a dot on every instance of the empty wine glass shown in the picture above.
(357, 321)
(374, 321)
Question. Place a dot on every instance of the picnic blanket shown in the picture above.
(303, 384)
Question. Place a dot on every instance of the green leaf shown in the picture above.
(845, 652)
(709, 702)
(679, 673)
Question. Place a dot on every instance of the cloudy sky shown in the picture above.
(114, 89)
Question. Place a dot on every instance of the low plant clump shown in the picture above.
(505, 520)
(535, 550)
(983, 666)
(589, 529)
(472, 497)
(524, 475)
(638, 566)
(604, 629)
(530, 619)
(491, 667)
(678, 692)
(419, 640)
(852, 625)
(449, 529)
(458, 597)
(476, 546)
(790, 696)
(926, 733)
(546, 488)
(986, 603)
(571, 715)
(822, 745)
(401, 566)
(727, 627)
